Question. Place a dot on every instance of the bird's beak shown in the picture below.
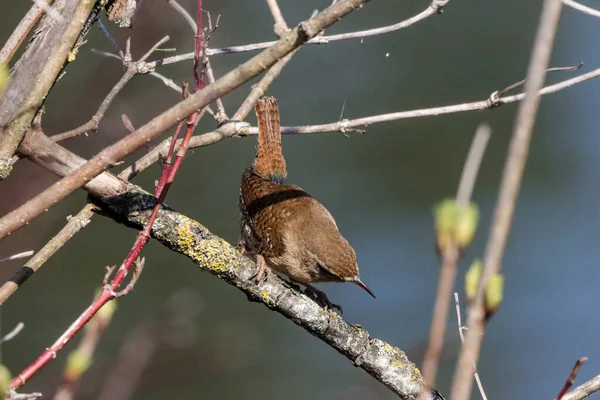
(362, 285)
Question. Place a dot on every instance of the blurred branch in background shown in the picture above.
(173, 327)
(507, 198)
(461, 334)
(16, 256)
(81, 358)
(582, 8)
(456, 222)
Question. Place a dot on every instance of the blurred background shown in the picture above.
(381, 188)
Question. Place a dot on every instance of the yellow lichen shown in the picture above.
(214, 253)
(416, 374)
(265, 295)
(397, 364)
(388, 347)
(72, 55)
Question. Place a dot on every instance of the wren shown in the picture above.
(284, 227)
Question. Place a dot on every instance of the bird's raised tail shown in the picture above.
(269, 162)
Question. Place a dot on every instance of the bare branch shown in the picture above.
(509, 190)
(131, 70)
(462, 340)
(12, 334)
(17, 256)
(584, 390)
(582, 8)
(434, 8)
(186, 15)
(35, 74)
(20, 33)
(571, 378)
(280, 26)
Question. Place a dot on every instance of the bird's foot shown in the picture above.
(321, 298)
(262, 270)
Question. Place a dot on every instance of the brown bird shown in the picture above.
(284, 227)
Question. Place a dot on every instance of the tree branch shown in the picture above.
(235, 78)
(582, 8)
(20, 33)
(35, 74)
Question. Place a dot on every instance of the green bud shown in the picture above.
(77, 364)
(466, 225)
(493, 294)
(4, 381)
(445, 219)
(472, 280)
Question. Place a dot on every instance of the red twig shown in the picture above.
(571, 379)
(110, 291)
(167, 167)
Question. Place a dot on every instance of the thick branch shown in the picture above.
(112, 154)
(181, 234)
(35, 74)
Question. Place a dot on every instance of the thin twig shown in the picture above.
(571, 378)
(186, 15)
(17, 256)
(131, 70)
(450, 256)
(462, 340)
(20, 33)
(280, 26)
(469, 174)
(433, 9)
(509, 190)
(580, 7)
(12, 334)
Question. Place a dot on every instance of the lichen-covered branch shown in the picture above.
(130, 205)
(212, 254)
